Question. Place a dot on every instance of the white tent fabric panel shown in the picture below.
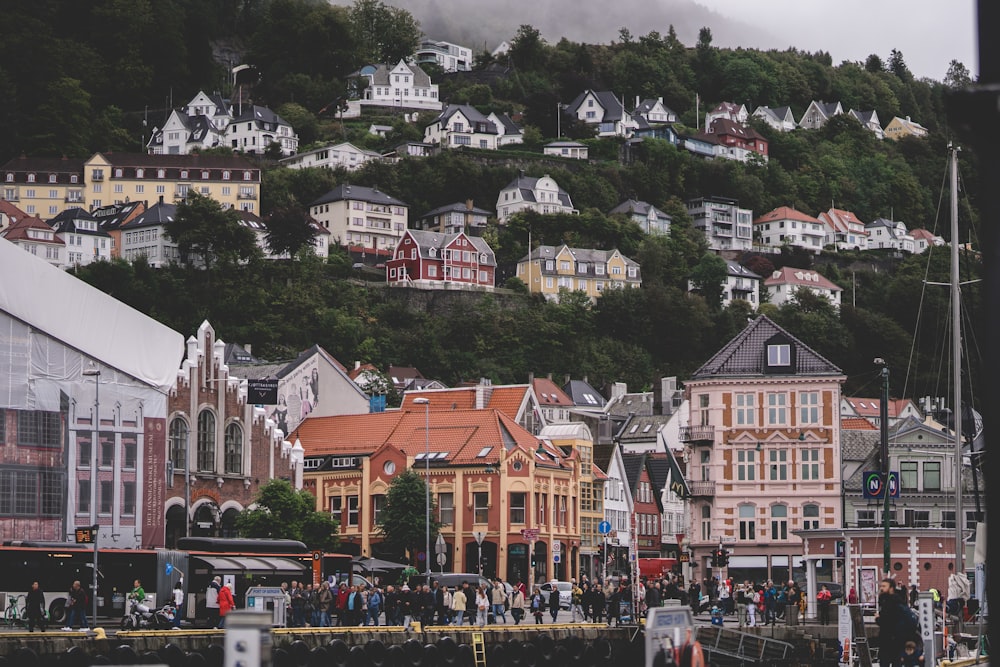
(83, 318)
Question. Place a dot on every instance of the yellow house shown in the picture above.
(904, 127)
(549, 269)
(48, 186)
(121, 177)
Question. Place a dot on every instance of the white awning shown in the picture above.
(85, 318)
(748, 561)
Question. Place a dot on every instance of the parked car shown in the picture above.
(565, 592)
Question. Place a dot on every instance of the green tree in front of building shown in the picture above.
(403, 519)
(281, 512)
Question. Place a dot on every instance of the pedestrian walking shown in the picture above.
(482, 606)
(226, 603)
(34, 607)
(212, 601)
(458, 605)
(76, 607)
(537, 605)
(178, 600)
(517, 605)
(554, 602)
(500, 602)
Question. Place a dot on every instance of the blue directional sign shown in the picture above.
(555, 558)
(604, 527)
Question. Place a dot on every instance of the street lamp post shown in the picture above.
(94, 372)
(427, 483)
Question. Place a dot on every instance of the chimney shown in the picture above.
(246, 346)
(161, 199)
(663, 393)
(468, 205)
(636, 101)
(566, 379)
(531, 377)
(549, 376)
(618, 389)
(357, 365)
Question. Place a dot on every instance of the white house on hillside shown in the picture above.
(783, 286)
(817, 113)
(199, 125)
(787, 226)
(400, 87)
(259, 127)
(357, 216)
(883, 233)
(780, 118)
(605, 111)
(463, 125)
(654, 111)
(649, 218)
(344, 155)
(728, 110)
(844, 230)
(535, 194)
(869, 120)
(85, 241)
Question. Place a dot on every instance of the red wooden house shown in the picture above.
(433, 259)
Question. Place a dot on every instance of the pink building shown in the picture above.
(763, 453)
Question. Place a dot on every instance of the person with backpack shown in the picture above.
(538, 605)
(896, 624)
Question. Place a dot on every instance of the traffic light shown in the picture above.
(715, 558)
(723, 558)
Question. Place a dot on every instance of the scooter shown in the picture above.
(142, 617)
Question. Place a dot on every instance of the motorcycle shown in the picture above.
(142, 617)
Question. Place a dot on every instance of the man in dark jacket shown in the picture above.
(554, 602)
(891, 624)
(34, 607)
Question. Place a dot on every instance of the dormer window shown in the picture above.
(118, 173)
(31, 178)
(139, 173)
(161, 173)
(779, 354)
(10, 178)
(52, 178)
(246, 176)
(204, 175)
(225, 175)
(432, 252)
(184, 173)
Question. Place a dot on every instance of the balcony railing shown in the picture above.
(697, 434)
(702, 489)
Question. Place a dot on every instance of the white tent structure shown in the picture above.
(66, 351)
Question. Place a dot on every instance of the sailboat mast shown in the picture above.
(956, 365)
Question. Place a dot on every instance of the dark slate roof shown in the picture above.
(426, 240)
(260, 115)
(643, 427)
(635, 206)
(160, 214)
(66, 223)
(192, 162)
(237, 354)
(113, 215)
(470, 112)
(745, 355)
(380, 76)
(613, 109)
(510, 127)
(589, 255)
(199, 127)
(782, 112)
(44, 165)
(634, 463)
(457, 207)
(737, 270)
(584, 395)
(349, 192)
(640, 403)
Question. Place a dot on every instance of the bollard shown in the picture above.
(248, 639)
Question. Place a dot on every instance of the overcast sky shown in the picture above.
(930, 33)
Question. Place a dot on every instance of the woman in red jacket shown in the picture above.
(226, 603)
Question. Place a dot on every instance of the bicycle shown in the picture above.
(16, 613)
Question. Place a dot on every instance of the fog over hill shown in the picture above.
(930, 33)
(485, 24)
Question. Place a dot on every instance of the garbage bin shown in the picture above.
(792, 614)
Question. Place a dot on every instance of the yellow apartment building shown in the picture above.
(548, 269)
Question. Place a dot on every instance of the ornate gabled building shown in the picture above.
(763, 452)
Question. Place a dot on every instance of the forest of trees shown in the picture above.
(79, 77)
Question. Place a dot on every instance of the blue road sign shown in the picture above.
(555, 558)
(604, 527)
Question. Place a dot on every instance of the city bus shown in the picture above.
(196, 561)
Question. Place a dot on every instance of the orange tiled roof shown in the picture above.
(355, 372)
(549, 393)
(11, 211)
(856, 424)
(456, 398)
(345, 434)
(786, 213)
(18, 231)
(466, 437)
(508, 399)
(598, 473)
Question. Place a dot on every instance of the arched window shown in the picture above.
(748, 522)
(779, 522)
(234, 449)
(206, 441)
(178, 443)
(810, 516)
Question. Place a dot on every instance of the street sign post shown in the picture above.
(556, 558)
(442, 559)
(440, 546)
(604, 527)
(480, 536)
